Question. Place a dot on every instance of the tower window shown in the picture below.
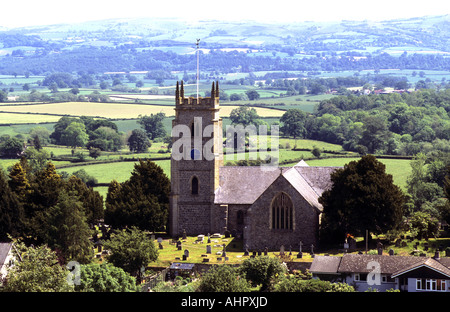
(282, 212)
(194, 186)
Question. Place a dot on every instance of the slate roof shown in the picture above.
(244, 184)
(392, 265)
(325, 264)
(388, 264)
(428, 262)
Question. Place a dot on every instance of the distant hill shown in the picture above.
(42, 49)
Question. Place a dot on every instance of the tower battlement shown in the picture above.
(193, 102)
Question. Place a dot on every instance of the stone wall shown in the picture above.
(258, 233)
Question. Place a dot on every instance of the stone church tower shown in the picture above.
(196, 159)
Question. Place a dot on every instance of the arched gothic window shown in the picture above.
(194, 186)
(282, 212)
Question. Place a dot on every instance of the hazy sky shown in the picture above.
(43, 12)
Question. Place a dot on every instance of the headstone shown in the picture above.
(227, 234)
(246, 251)
(259, 252)
(352, 244)
(186, 253)
(266, 251)
(312, 249)
(205, 259)
(282, 250)
(208, 249)
(152, 237)
(160, 240)
(160, 246)
(200, 238)
(224, 253)
(179, 245)
(300, 254)
(380, 251)
(209, 239)
(184, 234)
(290, 250)
(391, 252)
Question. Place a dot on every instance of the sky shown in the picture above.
(45, 12)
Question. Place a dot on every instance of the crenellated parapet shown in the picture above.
(193, 102)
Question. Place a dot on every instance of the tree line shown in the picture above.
(123, 58)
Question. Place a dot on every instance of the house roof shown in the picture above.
(243, 185)
(388, 264)
(393, 265)
(325, 264)
(4, 250)
(427, 262)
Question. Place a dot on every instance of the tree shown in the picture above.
(421, 190)
(142, 200)
(11, 148)
(36, 269)
(363, 197)
(37, 158)
(80, 184)
(153, 125)
(65, 229)
(131, 250)
(11, 210)
(223, 278)
(105, 277)
(422, 225)
(375, 134)
(261, 271)
(244, 115)
(75, 135)
(252, 95)
(138, 141)
(294, 123)
(105, 138)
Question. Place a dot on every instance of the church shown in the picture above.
(266, 208)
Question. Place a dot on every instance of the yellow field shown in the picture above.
(113, 110)
(12, 118)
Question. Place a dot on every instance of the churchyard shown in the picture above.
(200, 249)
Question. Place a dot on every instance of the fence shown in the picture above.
(154, 280)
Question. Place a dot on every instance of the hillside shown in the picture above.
(152, 44)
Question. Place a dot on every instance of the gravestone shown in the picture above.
(209, 239)
(290, 250)
(184, 234)
(391, 252)
(152, 237)
(266, 251)
(160, 246)
(282, 250)
(300, 254)
(259, 252)
(208, 249)
(186, 254)
(352, 244)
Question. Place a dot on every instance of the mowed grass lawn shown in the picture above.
(400, 169)
(108, 110)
